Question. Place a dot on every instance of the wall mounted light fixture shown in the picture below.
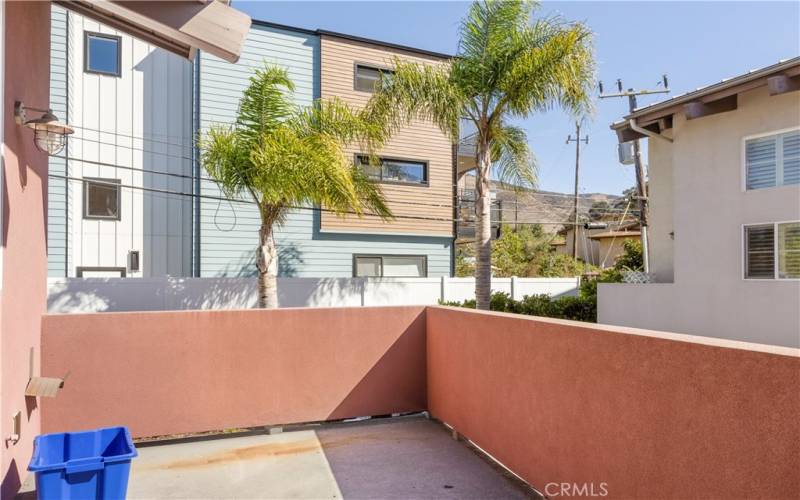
(49, 134)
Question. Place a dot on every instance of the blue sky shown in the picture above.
(696, 43)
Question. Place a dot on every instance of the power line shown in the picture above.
(147, 151)
(292, 207)
(135, 137)
(209, 179)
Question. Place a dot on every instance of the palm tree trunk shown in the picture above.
(267, 263)
(483, 233)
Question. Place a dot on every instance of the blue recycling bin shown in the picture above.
(83, 465)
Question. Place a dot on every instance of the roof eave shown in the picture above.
(717, 97)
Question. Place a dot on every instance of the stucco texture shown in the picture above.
(564, 402)
(24, 259)
(166, 373)
(696, 192)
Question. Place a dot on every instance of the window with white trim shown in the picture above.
(772, 251)
(390, 266)
(773, 160)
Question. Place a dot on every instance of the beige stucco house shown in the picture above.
(724, 179)
(601, 246)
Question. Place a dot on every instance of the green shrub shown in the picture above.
(575, 308)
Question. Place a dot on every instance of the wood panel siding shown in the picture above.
(422, 141)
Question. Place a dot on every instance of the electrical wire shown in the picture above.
(292, 207)
(135, 137)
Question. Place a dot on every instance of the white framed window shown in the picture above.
(390, 266)
(772, 251)
(772, 160)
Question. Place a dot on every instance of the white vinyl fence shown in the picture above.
(77, 295)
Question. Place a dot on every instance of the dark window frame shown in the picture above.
(104, 182)
(81, 269)
(375, 67)
(86, 68)
(381, 256)
(425, 170)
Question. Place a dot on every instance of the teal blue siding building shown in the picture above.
(228, 231)
(221, 234)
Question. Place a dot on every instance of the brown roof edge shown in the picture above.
(388, 45)
(714, 92)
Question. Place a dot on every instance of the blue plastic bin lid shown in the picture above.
(81, 451)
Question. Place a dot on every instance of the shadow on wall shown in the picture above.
(86, 295)
(166, 224)
(290, 258)
(354, 362)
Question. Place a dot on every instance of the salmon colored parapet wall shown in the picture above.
(166, 373)
(574, 409)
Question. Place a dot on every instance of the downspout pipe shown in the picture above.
(649, 133)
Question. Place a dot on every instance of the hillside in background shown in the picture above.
(550, 209)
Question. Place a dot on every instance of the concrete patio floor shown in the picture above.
(397, 458)
(402, 458)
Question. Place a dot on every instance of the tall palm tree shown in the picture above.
(284, 157)
(508, 66)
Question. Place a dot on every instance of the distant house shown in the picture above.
(724, 179)
(599, 246)
(131, 199)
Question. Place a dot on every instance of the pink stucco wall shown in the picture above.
(26, 78)
(632, 413)
(650, 415)
(165, 373)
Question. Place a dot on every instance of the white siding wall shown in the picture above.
(145, 119)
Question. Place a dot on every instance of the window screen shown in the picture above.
(368, 79)
(101, 199)
(760, 252)
(769, 244)
(411, 266)
(390, 266)
(773, 161)
(789, 250)
(394, 170)
(368, 267)
(102, 54)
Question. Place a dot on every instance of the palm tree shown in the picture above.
(286, 157)
(507, 67)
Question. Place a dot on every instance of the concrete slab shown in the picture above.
(398, 458)
(411, 458)
(287, 465)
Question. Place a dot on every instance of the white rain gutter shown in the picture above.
(649, 133)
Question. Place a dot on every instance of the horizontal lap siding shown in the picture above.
(229, 231)
(420, 210)
(57, 189)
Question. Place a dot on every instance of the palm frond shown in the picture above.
(421, 91)
(513, 162)
(553, 66)
(265, 104)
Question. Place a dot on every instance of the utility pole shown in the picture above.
(577, 140)
(641, 178)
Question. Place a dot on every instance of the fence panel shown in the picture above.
(76, 295)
